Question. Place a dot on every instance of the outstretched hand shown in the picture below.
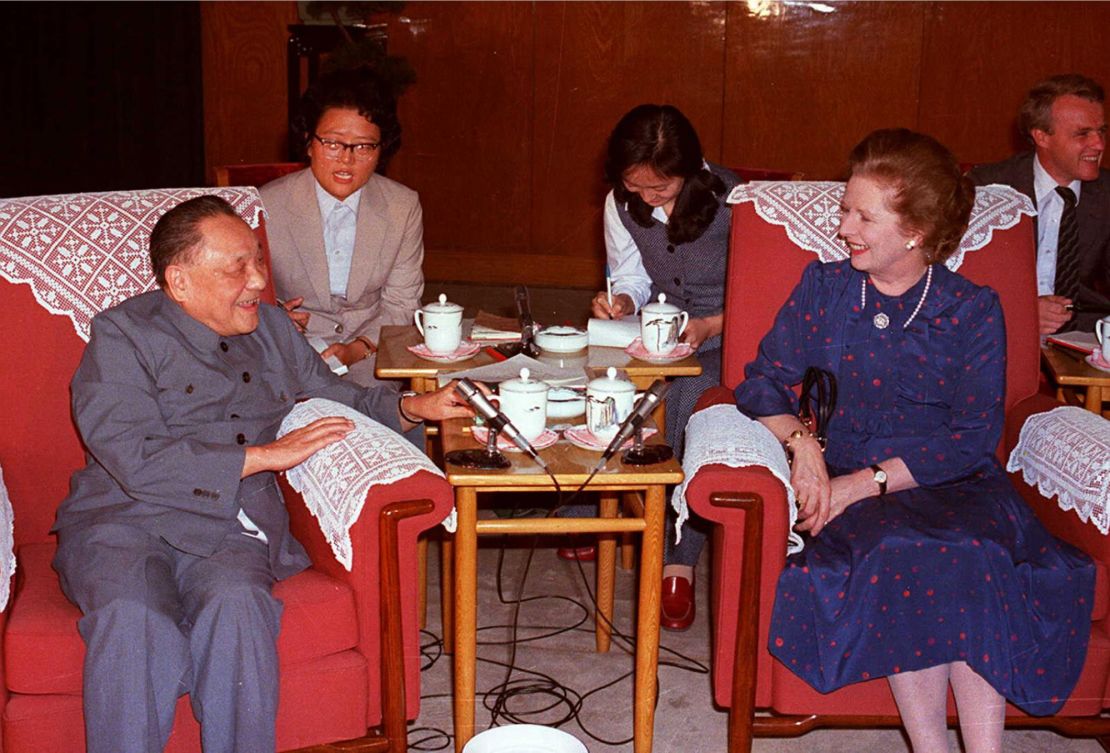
(442, 404)
(297, 446)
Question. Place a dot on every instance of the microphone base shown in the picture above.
(479, 459)
(647, 455)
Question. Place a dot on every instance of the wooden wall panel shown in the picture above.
(506, 125)
(805, 82)
(245, 108)
(467, 143)
(594, 62)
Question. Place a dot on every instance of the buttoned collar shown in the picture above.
(1045, 185)
(328, 203)
(200, 336)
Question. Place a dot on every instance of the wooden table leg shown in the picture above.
(466, 616)
(606, 565)
(628, 540)
(1093, 400)
(647, 624)
(447, 591)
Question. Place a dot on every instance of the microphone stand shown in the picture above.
(487, 458)
(641, 454)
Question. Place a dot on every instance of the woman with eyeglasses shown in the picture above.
(346, 244)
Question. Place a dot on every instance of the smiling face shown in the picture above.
(653, 188)
(1073, 150)
(873, 233)
(342, 177)
(221, 284)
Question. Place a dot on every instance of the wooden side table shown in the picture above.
(571, 466)
(1071, 371)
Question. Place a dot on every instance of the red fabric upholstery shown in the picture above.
(328, 646)
(764, 266)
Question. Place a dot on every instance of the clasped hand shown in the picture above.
(820, 499)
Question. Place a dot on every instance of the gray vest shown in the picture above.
(691, 274)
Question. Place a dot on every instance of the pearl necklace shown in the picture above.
(881, 320)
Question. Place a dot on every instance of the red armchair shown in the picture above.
(747, 506)
(348, 647)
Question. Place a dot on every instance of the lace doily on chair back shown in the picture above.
(7, 544)
(810, 212)
(1066, 452)
(335, 480)
(82, 253)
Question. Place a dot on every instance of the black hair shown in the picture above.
(660, 137)
(176, 236)
(355, 88)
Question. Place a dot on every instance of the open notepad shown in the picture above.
(1083, 342)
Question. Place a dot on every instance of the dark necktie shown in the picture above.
(1067, 248)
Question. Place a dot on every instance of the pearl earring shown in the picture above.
(910, 245)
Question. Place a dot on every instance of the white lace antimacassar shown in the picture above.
(85, 252)
(335, 480)
(810, 213)
(1066, 452)
(7, 544)
(722, 435)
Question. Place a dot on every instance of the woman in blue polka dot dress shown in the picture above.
(922, 563)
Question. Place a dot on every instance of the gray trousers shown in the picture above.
(159, 623)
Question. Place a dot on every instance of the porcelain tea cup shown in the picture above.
(661, 323)
(1102, 332)
(609, 401)
(440, 322)
(524, 402)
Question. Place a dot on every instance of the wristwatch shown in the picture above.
(401, 409)
(879, 478)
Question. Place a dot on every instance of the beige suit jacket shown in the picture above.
(387, 278)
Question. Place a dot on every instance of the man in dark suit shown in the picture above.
(173, 534)
(1065, 120)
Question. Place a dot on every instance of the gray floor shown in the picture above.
(562, 645)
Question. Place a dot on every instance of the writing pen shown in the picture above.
(608, 287)
(1088, 308)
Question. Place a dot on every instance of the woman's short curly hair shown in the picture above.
(357, 89)
(931, 196)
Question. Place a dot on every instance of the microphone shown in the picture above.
(652, 397)
(497, 420)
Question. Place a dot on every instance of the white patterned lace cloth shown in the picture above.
(1066, 452)
(85, 252)
(810, 212)
(722, 435)
(335, 480)
(7, 544)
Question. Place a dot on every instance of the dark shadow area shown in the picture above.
(100, 96)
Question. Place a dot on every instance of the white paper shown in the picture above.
(614, 333)
(510, 369)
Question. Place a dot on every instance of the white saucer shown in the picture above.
(637, 350)
(548, 438)
(466, 349)
(580, 436)
(1096, 362)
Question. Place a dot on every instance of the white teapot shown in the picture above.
(524, 402)
(440, 323)
(609, 401)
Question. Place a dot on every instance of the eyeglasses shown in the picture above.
(334, 149)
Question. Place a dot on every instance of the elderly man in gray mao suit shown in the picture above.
(173, 534)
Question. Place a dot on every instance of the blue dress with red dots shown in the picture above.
(957, 569)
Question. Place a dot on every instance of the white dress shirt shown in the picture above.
(626, 267)
(340, 220)
(1049, 208)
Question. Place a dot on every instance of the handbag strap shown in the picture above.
(816, 410)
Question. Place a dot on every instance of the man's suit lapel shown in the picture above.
(369, 238)
(308, 236)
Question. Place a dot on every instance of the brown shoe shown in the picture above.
(580, 553)
(677, 604)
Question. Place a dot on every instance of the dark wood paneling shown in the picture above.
(467, 142)
(245, 108)
(805, 82)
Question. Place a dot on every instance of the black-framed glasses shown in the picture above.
(334, 149)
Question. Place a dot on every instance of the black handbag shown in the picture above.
(817, 401)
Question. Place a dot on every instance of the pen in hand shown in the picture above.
(608, 287)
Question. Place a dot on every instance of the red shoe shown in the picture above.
(677, 604)
(580, 553)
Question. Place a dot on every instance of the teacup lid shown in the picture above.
(442, 306)
(610, 383)
(661, 306)
(524, 384)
